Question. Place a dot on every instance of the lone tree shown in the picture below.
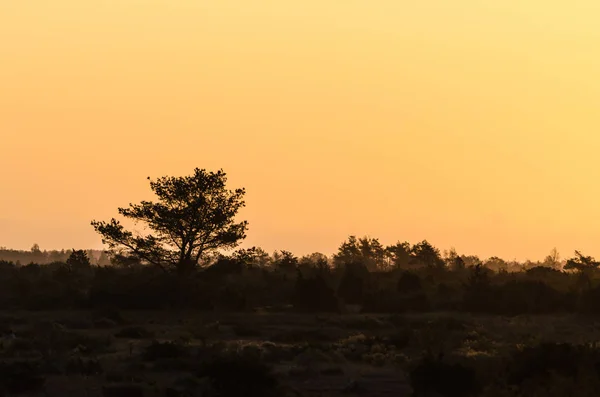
(194, 216)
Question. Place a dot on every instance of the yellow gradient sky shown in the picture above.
(470, 123)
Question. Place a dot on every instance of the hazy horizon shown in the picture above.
(471, 125)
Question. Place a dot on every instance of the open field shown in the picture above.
(157, 353)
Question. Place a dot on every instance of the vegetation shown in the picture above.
(180, 312)
(193, 217)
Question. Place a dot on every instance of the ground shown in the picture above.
(312, 355)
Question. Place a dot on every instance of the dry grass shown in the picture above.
(330, 351)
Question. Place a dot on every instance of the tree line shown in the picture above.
(190, 258)
(44, 257)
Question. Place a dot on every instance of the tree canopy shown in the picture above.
(194, 216)
(581, 262)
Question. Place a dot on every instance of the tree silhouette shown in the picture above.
(348, 252)
(553, 259)
(427, 255)
(496, 264)
(366, 250)
(581, 262)
(399, 255)
(194, 216)
(285, 260)
(78, 259)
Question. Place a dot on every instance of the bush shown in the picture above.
(538, 364)
(409, 282)
(134, 333)
(246, 331)
(314, 295)
(389, 301)
(190, 386)
(352, 285)
(527, 297)
(103, 314)
(19, 377)
(166, 350)
(80, 366)
(55, 339)
(232, 375)
(123, 390)
(432, 375)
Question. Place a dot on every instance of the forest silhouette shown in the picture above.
(453, 324)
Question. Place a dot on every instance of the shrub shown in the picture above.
(88, 367)
(314, 295)
(233, 375)
(245, 331)
(134, 333)
(432, 375)
(409, 282)
(19, 377)
(56, 339)
(352, 285)
(537, 364)
(123, 390)
(111, 314)
(166, 350)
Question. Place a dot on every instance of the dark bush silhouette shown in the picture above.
(83, 366)
(136, 332)
(590, 301)
(539, 364)
(352, 284)
(479, 293)
(123, 390)
(409, 282)
(225, 265)
(78, 260)
(232, 375)
(230, 299)
(164, 350)
(527, 297)
(21, 377)
(314, 295)
(433, 376)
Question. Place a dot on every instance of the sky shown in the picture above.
(472, 124)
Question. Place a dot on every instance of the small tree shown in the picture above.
(78, 260)
(553, 259)
(285, 260)
(453, 260)
(496, 264)
(194, 216)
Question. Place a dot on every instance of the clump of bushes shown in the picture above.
(538, 364)
(20, 377)
(123, 390)
(134, 332)
(51, 339)
(246, 331)
(235, 375)
(314, 295)
(164, 350)
(434, 376)
(83, 366)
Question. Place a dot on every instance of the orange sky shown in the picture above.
(472, 124)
